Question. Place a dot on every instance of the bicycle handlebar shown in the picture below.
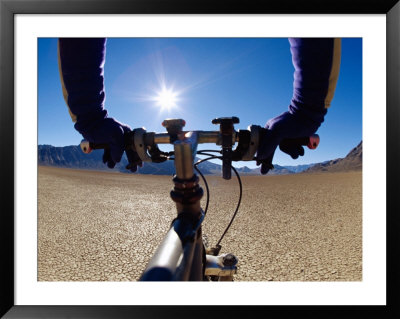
(145, 143)
(203, 137)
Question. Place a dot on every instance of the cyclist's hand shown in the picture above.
(284, 126)
(111, 132)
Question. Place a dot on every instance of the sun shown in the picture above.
(166, 98)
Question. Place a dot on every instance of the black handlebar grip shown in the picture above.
(87, 147)
(311, 141)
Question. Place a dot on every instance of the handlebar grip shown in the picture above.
(311, 142)
(87, 147)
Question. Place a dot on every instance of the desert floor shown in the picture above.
(95, 226)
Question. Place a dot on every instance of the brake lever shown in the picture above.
(158, 156)
(243, 146)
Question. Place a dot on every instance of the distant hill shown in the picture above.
(73, 157)
(352, 162)
(299, 168)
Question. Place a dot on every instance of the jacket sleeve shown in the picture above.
(81, 66)
(316, 62)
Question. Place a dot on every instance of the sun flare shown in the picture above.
(166, 98)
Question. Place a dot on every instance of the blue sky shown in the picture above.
(250, 78)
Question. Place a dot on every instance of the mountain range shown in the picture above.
(73, 157)
(352, 161)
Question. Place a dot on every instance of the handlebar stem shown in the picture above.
(185, 151)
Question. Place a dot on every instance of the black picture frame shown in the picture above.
(8, 10)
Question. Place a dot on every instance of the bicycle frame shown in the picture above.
(181, 255)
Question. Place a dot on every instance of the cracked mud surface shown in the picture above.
(100, 226)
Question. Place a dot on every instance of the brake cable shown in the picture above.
(207, 190)
(210, 157)
(237, 207)
(203, 177)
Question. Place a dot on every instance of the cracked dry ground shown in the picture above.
(100, 226)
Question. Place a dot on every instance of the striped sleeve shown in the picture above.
(334, 73)
(64, 90)
(316, 62)
(81, 67)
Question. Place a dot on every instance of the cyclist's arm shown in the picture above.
(81, 65)
(316, 63)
